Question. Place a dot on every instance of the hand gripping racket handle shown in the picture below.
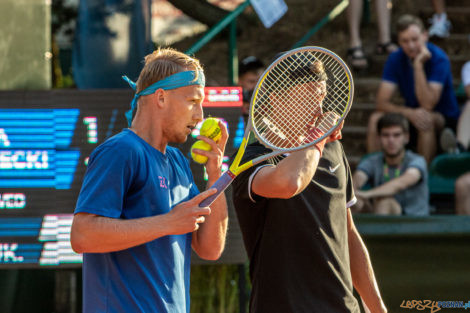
(221, 184)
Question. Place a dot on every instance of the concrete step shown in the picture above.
(457, 14)
(455, 44)
(360, 113)
(354, 140)
(365, 88)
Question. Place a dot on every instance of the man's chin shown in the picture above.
(392, 154)
(179, 139)
(182, 139)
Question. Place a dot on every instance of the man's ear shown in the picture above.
(407, 138)
(159, 97)
(426, 36)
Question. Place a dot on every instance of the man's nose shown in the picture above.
(198, 113)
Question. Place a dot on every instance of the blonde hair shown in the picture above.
(164, 62)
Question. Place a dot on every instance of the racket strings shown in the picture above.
(302, 95)
(288, 103)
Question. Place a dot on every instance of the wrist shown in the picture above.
(213, 176)
(313, 135)
(320, 146)
(407, 112)
(417, 64)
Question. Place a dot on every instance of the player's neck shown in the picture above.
(149, 131)
(395, 160)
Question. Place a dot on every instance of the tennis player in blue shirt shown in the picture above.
(138, 214)
(421, 71)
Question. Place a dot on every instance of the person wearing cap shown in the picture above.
(305, 252)
(249, 72)
(138, 216)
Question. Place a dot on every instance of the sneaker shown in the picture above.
(448, 141)
(440, 26)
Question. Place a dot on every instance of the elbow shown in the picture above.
(78, 245)
(210, 254)
(78, 239)
(429, 106)
(379, 106)
(289, 188)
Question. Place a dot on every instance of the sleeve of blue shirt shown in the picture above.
(367, 166)
(438, 68)
(106, 182)
(419, 163)
(390, 69)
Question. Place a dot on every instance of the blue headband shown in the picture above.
(174, 81)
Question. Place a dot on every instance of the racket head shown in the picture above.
(300, 99)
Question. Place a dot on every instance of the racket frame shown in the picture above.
(235, 168)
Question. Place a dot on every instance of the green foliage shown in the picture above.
(214, 289)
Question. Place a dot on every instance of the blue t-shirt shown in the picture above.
(399, 70)
(127, 179)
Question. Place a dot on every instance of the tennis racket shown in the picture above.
(301, 98)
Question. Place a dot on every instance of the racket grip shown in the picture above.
(221, 184)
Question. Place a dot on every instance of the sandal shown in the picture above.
(386, 48)
(357, 58)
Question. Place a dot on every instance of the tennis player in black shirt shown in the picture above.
(305, 252)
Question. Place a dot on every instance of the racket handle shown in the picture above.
(221, 184)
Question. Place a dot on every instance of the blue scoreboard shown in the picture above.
(45, 140)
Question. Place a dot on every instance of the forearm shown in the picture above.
(424, 92)
(409, 178)
(390, 188)
(362, 273)
(209, 240)
(298, 169)
(98, 234)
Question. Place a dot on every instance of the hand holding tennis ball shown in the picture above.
(201, 145)
(210, 129)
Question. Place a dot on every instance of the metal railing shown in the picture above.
(329, 17)
(230, 20)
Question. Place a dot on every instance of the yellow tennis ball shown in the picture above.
(210, 128)
(202, 145)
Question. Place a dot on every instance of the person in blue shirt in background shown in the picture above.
(138, 216)
(421, 71)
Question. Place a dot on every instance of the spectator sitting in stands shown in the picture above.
(356, 55)
(451, 144)
(421, 71)
(249, 72)
(440, 25)
(398, 177)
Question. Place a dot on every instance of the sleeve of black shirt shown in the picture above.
(350, 196)
(241, 185)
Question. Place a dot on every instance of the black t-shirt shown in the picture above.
(298, 247)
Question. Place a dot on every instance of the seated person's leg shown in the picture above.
(427, 139)
(463, 126)
(387, 206)
(462, 195)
